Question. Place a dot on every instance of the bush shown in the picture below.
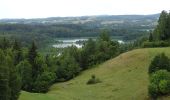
(159, 62)
(164, 86)
(155, 44)
(93, 80)
(159, 83)
(44, 81)
(153, 90)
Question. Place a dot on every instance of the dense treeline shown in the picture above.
(10, 81)
(160, 37)
(27, 69)
(43, 34)
(23, 68)
(162, 31)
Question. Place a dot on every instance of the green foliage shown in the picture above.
(164, 86)
(87, 56)
(68, 68)
(159, 83)
(25, 71)
(4, 43)
(44, 81)
(32, 54)
(162, 31)
(159, 62)
(106, 50)
(150, 37)
(104, 35)
(18, 55)
(98, 51)
(93, 80)
(14, 79)
(10, 81)
(4, 78)
(155, 44)
(153, 90)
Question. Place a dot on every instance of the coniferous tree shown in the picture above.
(32, 54)
(161, 32)
(4, 78)
(25, 72)
(150, 37)
(168, 25)
(162, 24)
(18, 56)
(104, 36)
(14, 79)
(68, 68)
(5, 43)
(87, 57)
(10, 81)
(16, 45)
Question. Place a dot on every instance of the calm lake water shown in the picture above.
(65, 42)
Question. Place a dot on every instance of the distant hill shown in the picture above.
(123, 78)
(85, 19)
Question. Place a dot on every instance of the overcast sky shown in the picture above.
(54, 8)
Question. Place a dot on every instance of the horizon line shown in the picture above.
(79, 16)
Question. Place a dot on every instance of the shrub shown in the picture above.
(155, 44)
(93, 80)
(44, 81)
(164, 86)
(159, 62)
(159, 83)
(153, 90)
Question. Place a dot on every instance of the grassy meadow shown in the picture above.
(123, 78)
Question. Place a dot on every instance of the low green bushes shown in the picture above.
(160, 61)
(159, 76)
(155, 44)
(159, 83)
(93, 80)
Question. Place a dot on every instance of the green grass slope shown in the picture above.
(123, 78)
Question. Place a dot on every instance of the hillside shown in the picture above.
(122, 77)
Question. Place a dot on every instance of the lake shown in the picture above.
(78, 42)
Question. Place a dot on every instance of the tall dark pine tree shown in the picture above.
(25, 72)
(104, 36)
(32, 53)
(31, 57)
(162, 26)
(150, 37)
(14, 79)
(10, 83)
(17, 52)
(5, 43)
(87, 54)
(16, 45)
(4, 78)
(168, 26)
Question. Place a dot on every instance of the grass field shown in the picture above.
(123, 78)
